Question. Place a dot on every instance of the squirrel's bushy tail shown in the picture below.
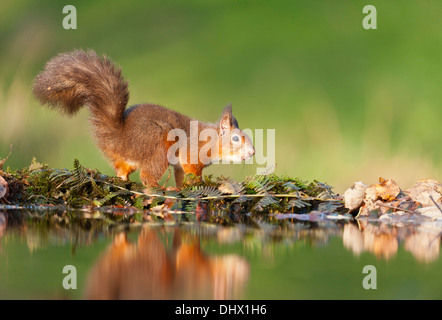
(82, 78)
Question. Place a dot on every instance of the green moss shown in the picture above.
(218, 200)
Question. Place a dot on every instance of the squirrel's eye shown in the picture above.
(235, 138)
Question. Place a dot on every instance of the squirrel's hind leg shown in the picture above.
(179, 176)
(151, 174)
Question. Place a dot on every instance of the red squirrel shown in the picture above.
(136, 137)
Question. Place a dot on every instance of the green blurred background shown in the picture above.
(347, 104)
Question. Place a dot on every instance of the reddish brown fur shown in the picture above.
(133, 138)
(123, 169)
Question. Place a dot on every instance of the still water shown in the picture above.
(45, 257)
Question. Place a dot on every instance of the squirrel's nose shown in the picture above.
(248, 153)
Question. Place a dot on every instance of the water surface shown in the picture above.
(324, 259)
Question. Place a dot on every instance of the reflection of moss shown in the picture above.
(219, 200)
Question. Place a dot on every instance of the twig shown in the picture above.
(239, 195)
(394, 208)
(167, 180)
(431, 197)
(2, 162)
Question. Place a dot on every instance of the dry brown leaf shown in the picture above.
(386, 190)
(424, 190)
(168, 203)
(368, 209)
(431, 212)
(227, 188)
(354, 197)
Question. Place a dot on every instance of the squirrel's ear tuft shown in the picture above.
(225, 123)
(227, 110)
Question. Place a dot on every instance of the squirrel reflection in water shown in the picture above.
(149, 270)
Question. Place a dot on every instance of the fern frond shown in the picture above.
(211, 192)
(202, 191)
(112, 195)
(265, 202)
(290, 187)
(255, 186)
(297, 203)
(79, 176)
(98, 189)
(330, 206)
(59, 174)
(241, 199)
(191, 206)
